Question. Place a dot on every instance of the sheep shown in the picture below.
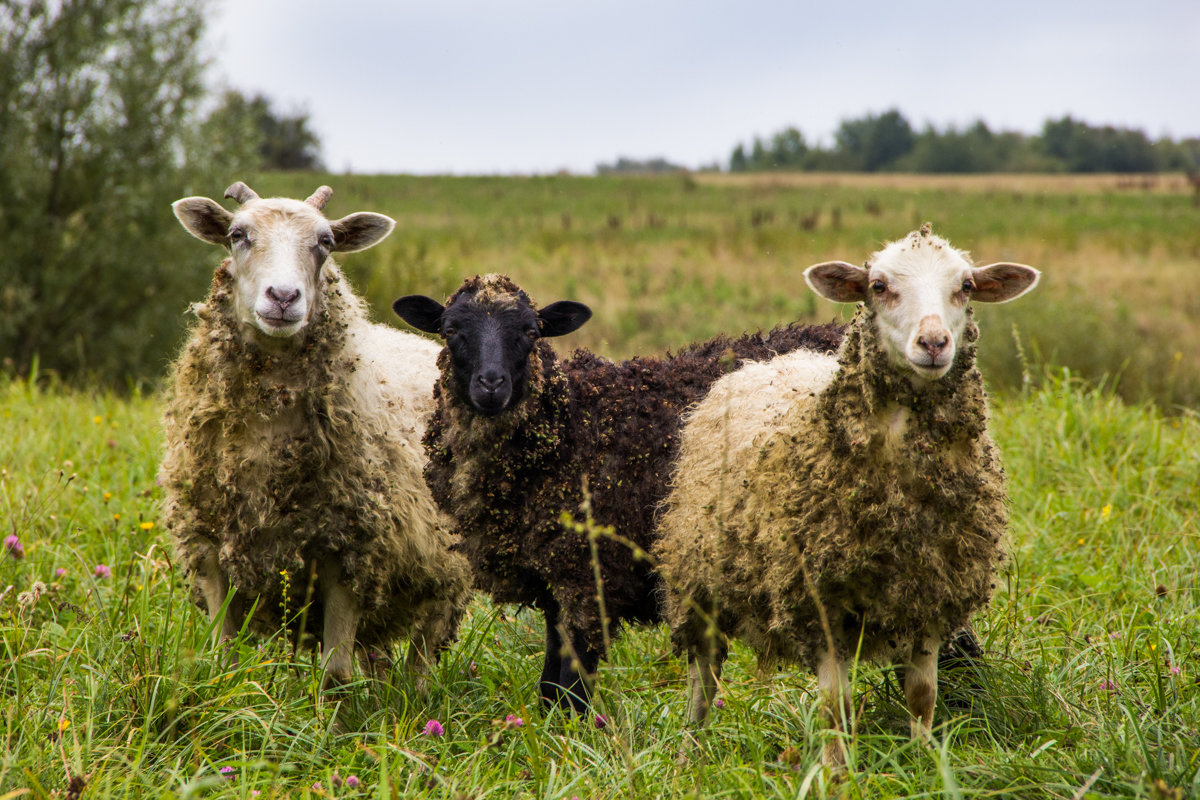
(293, 460)
(824, 508)
(520, 438)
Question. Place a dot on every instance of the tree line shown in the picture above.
(887, 142)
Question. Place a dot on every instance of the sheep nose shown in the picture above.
(283, 297)
(934, 343)
(490, 382)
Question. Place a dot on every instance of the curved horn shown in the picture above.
(241, 192)
(320, 197)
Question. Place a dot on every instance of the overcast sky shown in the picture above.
(534, 86)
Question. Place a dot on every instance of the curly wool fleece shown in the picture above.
(508, 479)
(274, 461)
(826, 504)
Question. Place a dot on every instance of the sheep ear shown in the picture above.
(360, 231)
(563, 317)
(999, 283)
(423, 313)
(838, 281)
(204, 218)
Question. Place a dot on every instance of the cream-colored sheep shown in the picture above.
(826, 507)
(293, 464)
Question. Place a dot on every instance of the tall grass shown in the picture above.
(1089, 687)
(666, 260)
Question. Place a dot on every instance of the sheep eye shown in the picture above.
(968, 285)
(449, 331)
(326, 241)
(878, 287)
(237, 236)
(532, 333)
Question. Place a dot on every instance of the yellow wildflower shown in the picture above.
(147, 526)
(1106, 512)
(96, 420)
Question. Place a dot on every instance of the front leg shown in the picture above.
(833, 688)
(577, 671)
(920, 686)
(549, 689)
(703, 673)
(214, 586)
(342, 614)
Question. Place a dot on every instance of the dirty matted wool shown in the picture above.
(508, 479)
(861, 500)
(275, 459)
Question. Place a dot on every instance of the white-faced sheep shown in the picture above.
(517, 433)
(826, 507)
(293, 464)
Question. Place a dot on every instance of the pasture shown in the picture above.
(1090, 687)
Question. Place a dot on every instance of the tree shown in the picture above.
(284, 141)
(99, 132)
(876, 142)
(737, 161)
(787, 149)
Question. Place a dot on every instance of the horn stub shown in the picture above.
(320, 197)
(241, 193)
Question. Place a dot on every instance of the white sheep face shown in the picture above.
(920, 287)
(278, 247)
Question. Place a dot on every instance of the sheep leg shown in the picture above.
(920, 686)
(342, 613)
(575, 675)
(703, 674)
(549, 688)
(833, 687)
(214, 586)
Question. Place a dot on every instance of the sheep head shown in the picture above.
(490, 326)
(920, 287)
(278, 248)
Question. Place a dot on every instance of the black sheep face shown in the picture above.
(490, 335)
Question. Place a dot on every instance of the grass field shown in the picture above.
(1091, 686)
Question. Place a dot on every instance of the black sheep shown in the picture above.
(517, 435)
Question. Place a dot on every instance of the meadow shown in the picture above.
(1089, 688)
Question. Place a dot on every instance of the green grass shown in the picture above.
(1091, 676)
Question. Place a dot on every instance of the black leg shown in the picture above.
(548, 688)
(577, 683)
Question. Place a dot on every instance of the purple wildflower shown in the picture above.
(1108, 686)
(513, 721)
(352, 781)
(60, 572)
(1175, 669)
(434, 728)
(719, 703)
(14, 547)
(102, 571)
(227, 772)
(601, 722)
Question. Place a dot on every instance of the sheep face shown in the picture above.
(490, 327)
(278, 248)
(920, 288)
